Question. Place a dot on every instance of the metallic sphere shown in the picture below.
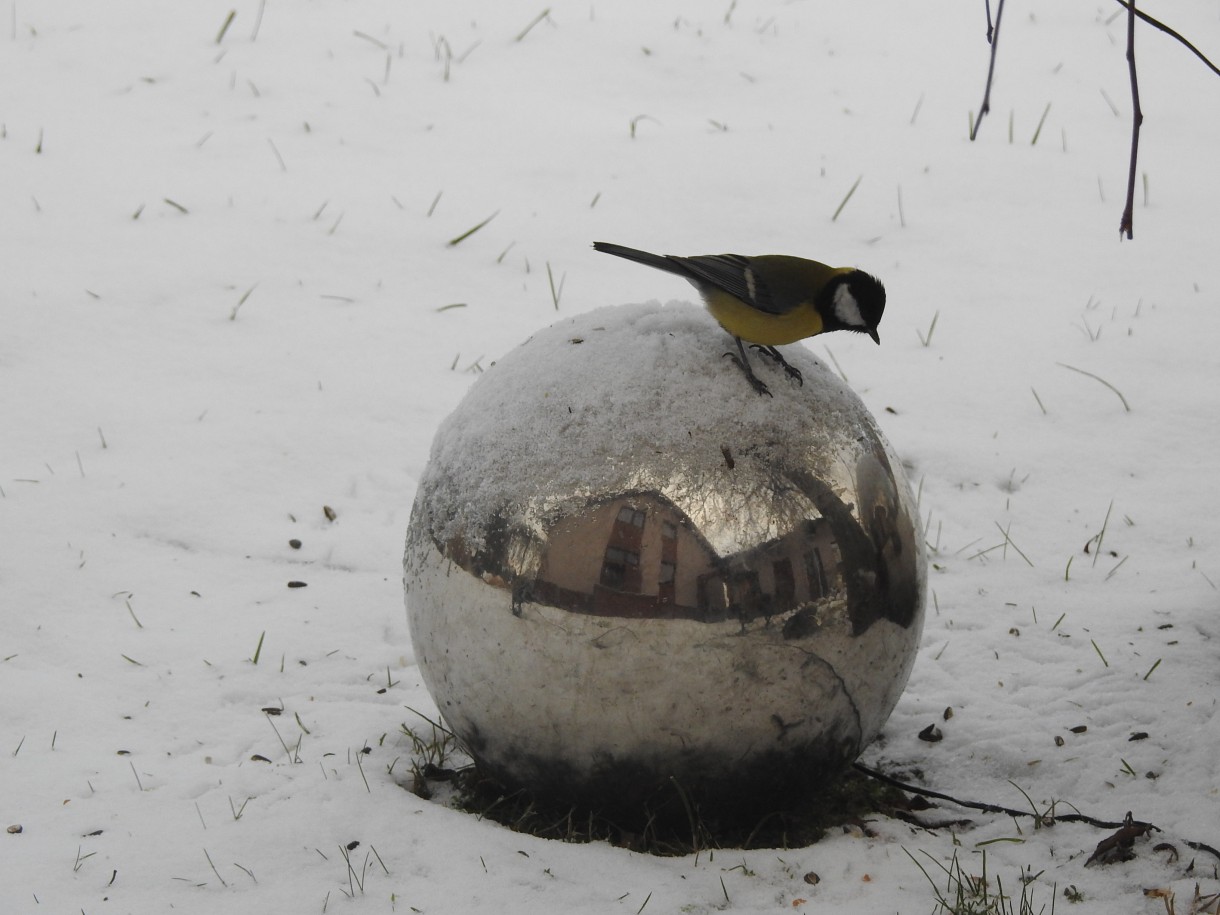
(625, 568)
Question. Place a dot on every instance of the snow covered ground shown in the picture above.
(229, 313)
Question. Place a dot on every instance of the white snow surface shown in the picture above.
(228, 301)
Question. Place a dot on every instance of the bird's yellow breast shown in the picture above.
(755, 326)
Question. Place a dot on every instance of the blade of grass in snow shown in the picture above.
(1008, 542)
(846, 198)
(1126, 406)
(278, 157)
(214, 870)
(1041, 121)
(258, 649)
(637, 119)
(1101, 535)
(465, 235)
(224, 28)
(533, 22)
(838, 368)
(369, 38)
(927, 341)
(258, 20)
(1099, 654)
(555, 293)
(242, 301)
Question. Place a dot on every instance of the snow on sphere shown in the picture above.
(625, 567)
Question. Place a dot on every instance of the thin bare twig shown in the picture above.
(1126, 225)
(993, 36)
(1175, 35)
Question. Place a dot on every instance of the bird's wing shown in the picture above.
(732, 274)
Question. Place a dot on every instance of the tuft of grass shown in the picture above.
(926, 339)
(238, 811)
(81, 859)
(355, 881)
(969, 894)
(1008, 543)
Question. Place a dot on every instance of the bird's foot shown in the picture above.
(754, 380)
(790, 370)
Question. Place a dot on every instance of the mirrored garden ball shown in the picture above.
(626, 569)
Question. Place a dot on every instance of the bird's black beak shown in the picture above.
(872, 332)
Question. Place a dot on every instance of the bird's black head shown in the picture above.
(855, 301)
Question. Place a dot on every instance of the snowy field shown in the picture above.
(232, 322)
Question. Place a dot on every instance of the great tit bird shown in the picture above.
(773, 299)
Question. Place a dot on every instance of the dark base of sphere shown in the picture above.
(775, 794)
(725, 797)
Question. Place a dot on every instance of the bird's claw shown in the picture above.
(754, 380)
(772, 353)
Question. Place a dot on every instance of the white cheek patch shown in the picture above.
(846, 308)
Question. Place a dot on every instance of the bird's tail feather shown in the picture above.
(658, 261)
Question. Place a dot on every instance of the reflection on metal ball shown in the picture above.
(626, 568)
